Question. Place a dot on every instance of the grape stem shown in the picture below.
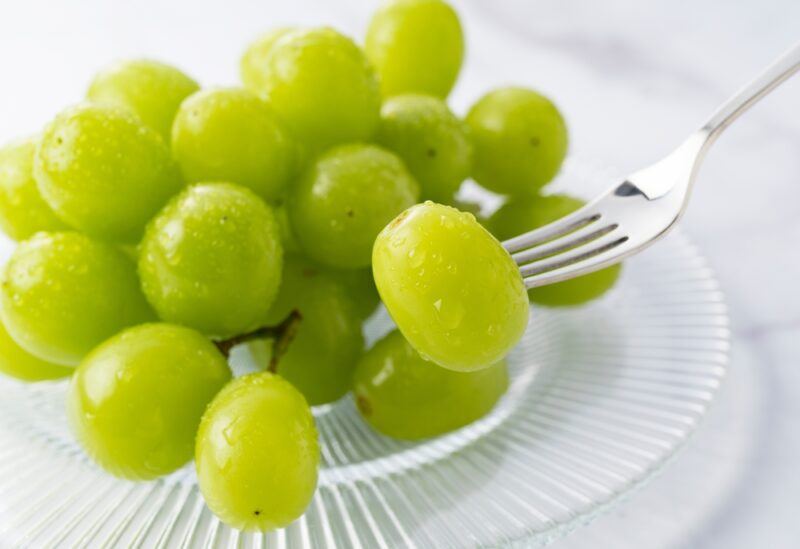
(281, 335)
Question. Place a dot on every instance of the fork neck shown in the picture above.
(679, 167)
(775, 74)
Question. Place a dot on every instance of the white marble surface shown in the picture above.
(632, 78)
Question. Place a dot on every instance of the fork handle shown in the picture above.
(781, 69)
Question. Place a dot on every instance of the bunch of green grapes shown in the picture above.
(160, 225)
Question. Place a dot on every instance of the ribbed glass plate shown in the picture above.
(601, 397)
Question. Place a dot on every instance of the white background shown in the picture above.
(632, 78)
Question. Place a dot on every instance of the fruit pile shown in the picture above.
(160, 225)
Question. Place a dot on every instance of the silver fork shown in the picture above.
(634, 214)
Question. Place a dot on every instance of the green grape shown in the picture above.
(431, 140)
(405, 396)
(23, 212)
(211, 259)
(257, 453)
(104, 172)
(450, 287)
(136, 400)
(232, 135)
(19, 363)
(152, 90)
(522, 214)
(63, 293)
(322, 86)
(520, 140)
(475, 208)
(288, 239)
(361, 287)
(254, 65)
(345, 199)
(417, 46)
(321, 359)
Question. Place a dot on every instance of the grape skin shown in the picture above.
(416, 46)
(451, 288)
(523, 214)
(340, 205)
(322, 87)
(23, 211)
(360, 286)
(211, 260)
(63, 293)
(104, 172)
(150, 89)
(257, 453)
(253, 66)
(229, 134)
(136, 400)
(20, 364)
(288, 239)
(404, 396)
(431, 140)
(321, 359)
(520, 140)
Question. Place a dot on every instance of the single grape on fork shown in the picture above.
(644, 207)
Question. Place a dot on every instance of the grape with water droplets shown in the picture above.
(104, 172)
(340, 205)
(231, 135)
(322, 87)
(211, 260)
(63, 293)
(136, 400)
(453, 290)
(257, 453)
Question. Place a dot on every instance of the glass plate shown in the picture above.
(601, 397)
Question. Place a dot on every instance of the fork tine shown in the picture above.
(598, 246)
(585, 234)
(595, 263)
(566, 224)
